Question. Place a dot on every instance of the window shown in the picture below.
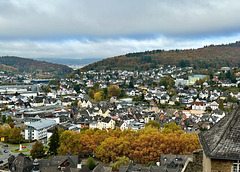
(236, 166)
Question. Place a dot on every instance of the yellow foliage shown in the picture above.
(142, 146)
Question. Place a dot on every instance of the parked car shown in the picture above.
(5, 145)
(5, 151)
(23, 146)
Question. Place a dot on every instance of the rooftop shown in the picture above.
(222, 141)
(42, 123)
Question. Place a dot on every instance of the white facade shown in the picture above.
(38, 130)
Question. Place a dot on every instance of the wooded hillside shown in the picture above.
(11, 64)
(214, 56)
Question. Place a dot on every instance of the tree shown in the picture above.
(1, 131)
(9, 119)
(119, 162)
(113, 90)
(22, 128)
(70, 142)
(153, 124)
(3, 119)
(15, 135)
(176, 103)
(46, 89)
(220, 106)
(171, 128)
(91, 94)
(54, 82)
(37, 150)
(5, 131)
(54, 141)
(98, 96)
(90, 163)
(11, 124)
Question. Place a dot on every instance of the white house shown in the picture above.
(38, 130)
(198, 106)
(214, 105)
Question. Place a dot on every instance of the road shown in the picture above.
(5, 156)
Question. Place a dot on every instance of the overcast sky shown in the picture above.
(105, 28)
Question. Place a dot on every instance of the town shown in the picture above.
(194, 100)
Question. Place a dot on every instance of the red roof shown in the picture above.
(198, 103)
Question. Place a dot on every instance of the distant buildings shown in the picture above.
(193, 78)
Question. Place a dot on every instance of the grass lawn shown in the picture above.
(47, 156)
(46, 148)
(17, 151)
(17, 145)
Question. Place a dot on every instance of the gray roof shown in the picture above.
(222, 141)
(42, 123)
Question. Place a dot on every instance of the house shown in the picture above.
(164, 98)
(38, 130)
(113, 99)
(37, 102)
(214, 105)
(65, 163)
(198, 106)
(21, 163)
(180, 82)
(66, 101)
(221, 150)
(173, 100)
(102, 168)
(139, 168)
(136, 125)
(173, 162)
(130, 92)
(192, 79)
(89, 84)
(106, 123)
(203, 94)
(228, 83)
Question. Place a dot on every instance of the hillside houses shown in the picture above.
(166, 94)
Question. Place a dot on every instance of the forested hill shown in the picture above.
(210, 56)
(40, 69)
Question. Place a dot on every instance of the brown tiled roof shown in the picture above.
(222, 141)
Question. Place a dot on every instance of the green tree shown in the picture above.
(54, 141)
(9, 119)
(119, 162)
(3, 119)
(220, 106)
(54, 82)
(15, 135)
(91, 94)
(91, 163)
(176, 103)
(37, 150)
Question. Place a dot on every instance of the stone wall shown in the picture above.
(221, 165)
(195, 164)
(200, 163)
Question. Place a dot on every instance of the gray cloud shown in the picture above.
(102, 48)
(34, 19)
